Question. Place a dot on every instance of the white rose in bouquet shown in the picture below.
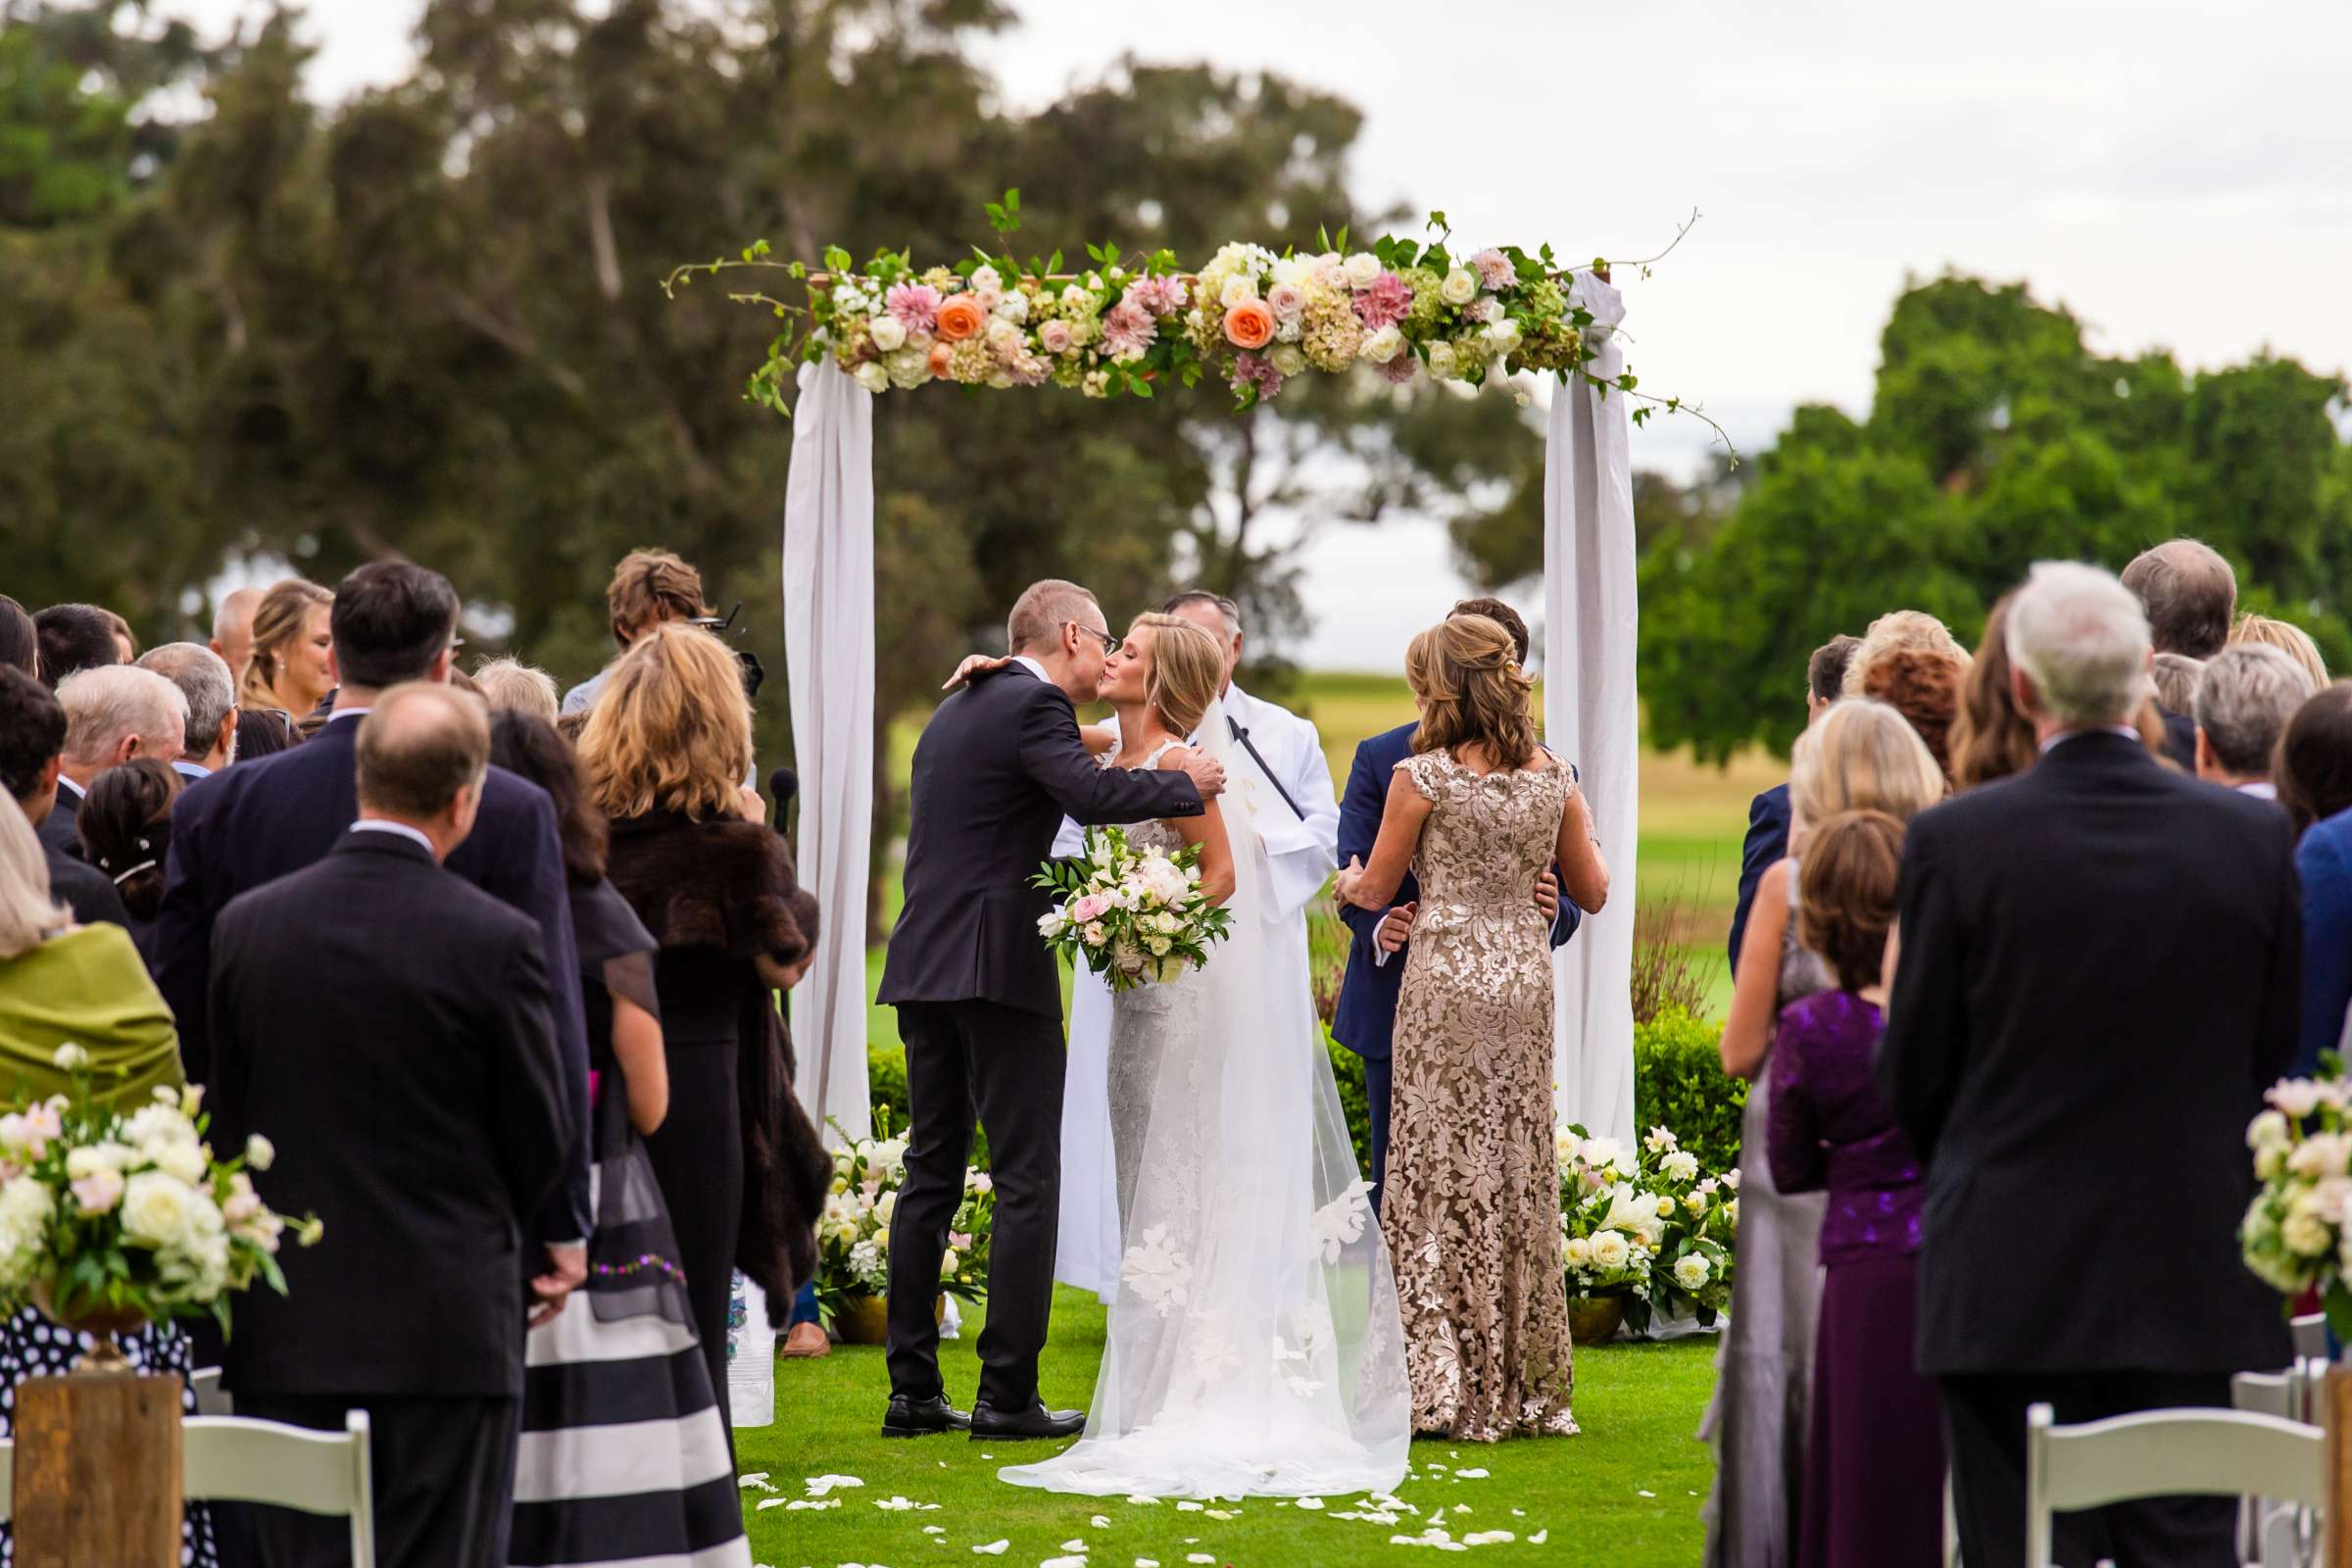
(260, 1152)
(2267, 1131)
(1578, 1250)
(1237, 290)
(1013, 308)
(175, 1158)
(1363, 268)
(1692, 1271)
(949, 1262)
(871, 377)
(1288, 358)
(1444, 363)
(888, 332)
(1383, 346)
(885, 1206)
(1680, 1165)
(2304, 1232)
(1460, 286)
(1611, 1250)
(157, 1208)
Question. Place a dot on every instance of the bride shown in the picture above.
(1254, 1345)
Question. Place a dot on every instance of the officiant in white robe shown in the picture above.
(1282, 781)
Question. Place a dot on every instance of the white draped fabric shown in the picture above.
(1593, 714)
(829, 659)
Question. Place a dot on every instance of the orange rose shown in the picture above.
(959, 318)
(1250, 324)
(939, 354)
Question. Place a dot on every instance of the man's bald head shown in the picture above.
(232, 628)
(424, 747)
(2190, 593)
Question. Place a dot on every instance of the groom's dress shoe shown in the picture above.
(919, 1418)
(989, 1422)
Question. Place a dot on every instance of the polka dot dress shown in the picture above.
(33, 1346)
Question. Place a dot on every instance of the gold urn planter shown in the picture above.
(1596, 1319)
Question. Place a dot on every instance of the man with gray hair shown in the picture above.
(203, 679)
(2244, 699)
(114, 713)
(2098, 958)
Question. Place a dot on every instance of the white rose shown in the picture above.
(157, 1208)
(2296, 1096)
(885, 1206)
(1579, 1252)
(1329, 271)
(1691, 1272)
(1502, 337)
(260, 1152)
(1680, 1165)
(69, 1057)
(888, 332)
(1159, 947)
(2304, 1232)
(1093, 934)
(1460, 286)
(2321, 1155)
(2268, 1129)
(1294, 271)
(1288, 358)
(175, 1158)
(1611, 1250)
(1363, 268)
(908, 366)
(1052, 924)
(2269, 1161)
(1601, 1153)
(1013, 308)
(986, 280)
(1237, 291)
(1077, 300)
(1442, 360)
(1002, 334)
(1383, 346)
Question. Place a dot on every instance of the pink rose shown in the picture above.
(1055, 337)
(1493, 268)
(962, 1241)
(1090, 908)
(1287, 302)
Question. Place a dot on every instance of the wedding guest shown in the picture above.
(204, 680)
(419, 1110)
(233, 627)
(1858, 756)
(1924, 687)
(126, 827)
(650, 588)
(20, 639)
(2189, 594)
(1365, 1017)
(2315, 785)
(510, 683)
(392, 622)
(2176, 676)
(1897, 629)
(32, 741)
(619, 1389)
(1766, 838)
(1990, 738)
(292, 666)
(74, 637)
(2244, 705)
(667, 744)
(2288, 637)
(1874, 1463)
(2036, 1044)
(113, 713)
(1472, 1214)
(127, 641)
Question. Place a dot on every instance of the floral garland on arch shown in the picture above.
(1252, 318)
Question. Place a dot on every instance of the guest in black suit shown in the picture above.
(257, 822)
(979, 1006)
(2244, 701)
(2074, 1051)
(74, 637)
(32, 741)
(114, 713)
(2190, 596)
(391, 1029)
(1768, 816)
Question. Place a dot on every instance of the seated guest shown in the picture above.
(510, 683)
(126, 827)
(203, 678)
(2039, 1042)
(2244, 705)
(113, 713)
(650, 588)
(1766, 838)
(2176, 676)
(419, 1110)
(627, 1357)
(392, 622)
(2188, 592)
(74, 637)
(2288, 637)
(291, 668)
(1924, 687)
(2315, 784)
(20, 639)
(232, 628)
(666, 745)
(1899, 628)
(1874, 1464)
(33, 739)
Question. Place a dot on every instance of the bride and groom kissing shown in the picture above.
(1255, 1343)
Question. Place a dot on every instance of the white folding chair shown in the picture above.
(211, 1398)
(235, 1459)
(2162, 1454)
(2270, 1530)
(2311, 1336)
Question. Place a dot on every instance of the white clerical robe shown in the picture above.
(1297, 856)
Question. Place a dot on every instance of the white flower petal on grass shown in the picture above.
(1521, 1513)
(1101, 1521)
(1219, 1513)
(1187, 1508)
(994, 1549)
(818, 1485)
(797, 1504)
(897, 1504)
(1646, 1492)
(934, 1530)
(1147, 1562)
(1142, 1500)
(1487, 1538)
(1073, 1544)
(1198, 1556)
(1064, 1562)
(1539, 1538)
(1471, 1475)
(758, 1478)
(1310, 1503)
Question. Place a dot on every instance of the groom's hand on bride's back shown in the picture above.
(1207, 773)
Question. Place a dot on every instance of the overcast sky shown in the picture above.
(2178, 174)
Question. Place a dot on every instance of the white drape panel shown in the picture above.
(829, 659)
(1592, 715)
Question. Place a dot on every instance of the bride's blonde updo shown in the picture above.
(1187, 670)
(1464, 672)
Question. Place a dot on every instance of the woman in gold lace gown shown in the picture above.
(1471, 1208)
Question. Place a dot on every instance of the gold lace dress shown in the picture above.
(1471, 1208)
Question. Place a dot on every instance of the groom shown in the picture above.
(980, 1003)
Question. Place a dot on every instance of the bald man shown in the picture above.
(232, 630)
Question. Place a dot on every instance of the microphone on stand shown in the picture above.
(783, 784)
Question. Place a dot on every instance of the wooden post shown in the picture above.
(98, 1472)
(2335, 1416)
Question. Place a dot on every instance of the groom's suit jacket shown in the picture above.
(998, 767)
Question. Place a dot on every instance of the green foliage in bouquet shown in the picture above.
(1679, 1081)
(1649, 1225)
(852, 1235)
(1132, 916)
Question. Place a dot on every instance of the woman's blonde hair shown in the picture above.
(1188, 670)
(1861, 756)
(1897, 629)
(1464, 672)
(2285, 636)
(29, 912)
(510, 683)
(671, 731)
(276, 621)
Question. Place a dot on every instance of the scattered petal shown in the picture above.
(771, 1502)
(818, 1485)
(994, 1549)
(1073, 1545)
(1198, 1556)
(1147, 1562)
(1539, 1538)
(1142, 1500)
(896, 1504)
(1101, 1521)
(1471, 1475)
(758, 1478)
(1219, 1513)
(1487, 1538)
(1064, 1562)
(934, 1529)
(1187, 1508)
(1645, 1492)
(1521, 1513)
(798, 1503)
(1310, 1503)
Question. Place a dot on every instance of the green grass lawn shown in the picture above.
(1625, 1494)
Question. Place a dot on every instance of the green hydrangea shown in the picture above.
(1422, 319)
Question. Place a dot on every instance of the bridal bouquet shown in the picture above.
(2295, 1234)
(1646, 1225)
(1131, 915)
(109, 1217)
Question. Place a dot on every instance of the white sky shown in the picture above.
(2178, 174)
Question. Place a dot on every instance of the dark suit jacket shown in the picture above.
(1366, 1019)
(257, 822)
(2180, 739)
(84, 889)
(405, 1065)
(61, 829)
(2075, 1049)
(998, 768)
(1767, 841)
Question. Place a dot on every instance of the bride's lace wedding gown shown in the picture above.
(1255, 1345)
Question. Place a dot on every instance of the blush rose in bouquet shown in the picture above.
(1133, 917)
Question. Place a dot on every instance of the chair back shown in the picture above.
(2160, 1454)
(2271, 1533)
(211, 1398)
(235, 1459)
(2311, 1336)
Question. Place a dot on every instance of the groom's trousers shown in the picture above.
(1006, 1065)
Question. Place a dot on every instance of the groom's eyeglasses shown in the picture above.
(1110, 644)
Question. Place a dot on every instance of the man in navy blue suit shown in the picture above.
(257, 822)
(1768, 814)
(1366, 1019)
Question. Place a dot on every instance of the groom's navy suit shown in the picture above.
(1366, 1019)
(979, 1006)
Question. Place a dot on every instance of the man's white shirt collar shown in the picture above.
(1033, 667)
(188, 770)
(2060, 739)
(2262, 789)
(347, 712)
(377, 824)
(65, 783)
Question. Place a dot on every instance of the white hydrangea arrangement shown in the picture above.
(1646, 1224)
(111, 1217)
(1133, 917)
(853, 1234)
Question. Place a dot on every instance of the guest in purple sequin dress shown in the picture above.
(1874, 1459)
